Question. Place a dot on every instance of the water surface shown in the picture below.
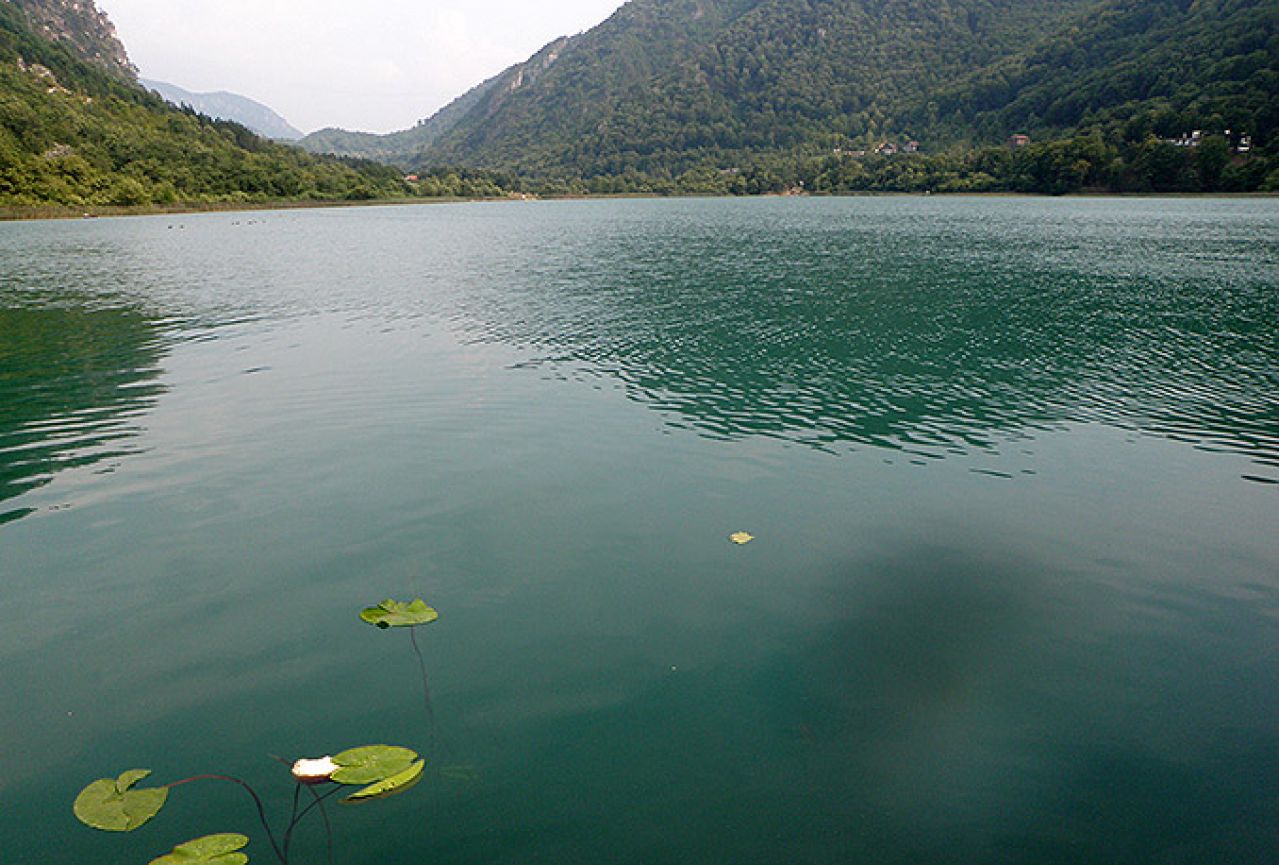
(1012, 466)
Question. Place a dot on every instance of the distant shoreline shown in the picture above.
(33, 213)
(39, 213)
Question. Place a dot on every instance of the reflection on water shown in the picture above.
(922, 327)
(74, 383)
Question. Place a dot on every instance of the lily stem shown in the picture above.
(426, 688)
(257, 800)
(328, 827)
(293, 819)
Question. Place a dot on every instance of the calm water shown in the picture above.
(1012, 465)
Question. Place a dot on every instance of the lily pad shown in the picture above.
(209, 850)
(387, 787)
(371, 763)
(112, 805)
(398, 614)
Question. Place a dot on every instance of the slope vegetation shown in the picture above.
(757, 90)
(1133, 66)
(74, 133)
(669, 83)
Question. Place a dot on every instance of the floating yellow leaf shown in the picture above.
(741, 537)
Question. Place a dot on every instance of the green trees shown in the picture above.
(770, 89)
(722, 97)
(72, 134)
(1131, 68)
(667, 87)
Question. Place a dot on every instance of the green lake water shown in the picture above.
(1012, 466)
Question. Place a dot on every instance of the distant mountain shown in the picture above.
(82, 29)
(662, 84)
(77, 131)
(666, 86)
(229, 106)
(405, 148)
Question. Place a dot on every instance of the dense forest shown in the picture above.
(705, 97)
(79, 133)
(806, 95)
(773, 76)
(1131, 68)
(1087, 163)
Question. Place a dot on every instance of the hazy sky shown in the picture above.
(375, 65)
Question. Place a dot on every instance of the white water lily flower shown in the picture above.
(314, 771)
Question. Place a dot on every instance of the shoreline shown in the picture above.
(41, 213)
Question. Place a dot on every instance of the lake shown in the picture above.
(1011, 467)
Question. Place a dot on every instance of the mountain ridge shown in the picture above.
(405, 148)
(663, 87)
(224, 105)
(594, 93)
(396, 148)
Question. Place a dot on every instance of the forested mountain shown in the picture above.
(221, 105)
(665, 87)
(661, 80)
(664, 83)
(718, 96)
(77, 133)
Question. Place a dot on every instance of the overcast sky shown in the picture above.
(374, 65)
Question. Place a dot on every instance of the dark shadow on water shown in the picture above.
(952, 699)
(967, 702)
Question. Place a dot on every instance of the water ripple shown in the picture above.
(932, 327)
(73, 385)
(914, 324)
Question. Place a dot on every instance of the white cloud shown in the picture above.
(378, 65)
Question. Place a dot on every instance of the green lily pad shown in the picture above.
(371, 763)
(113, 806)
(209, 850)
(397, 614)
(391, 786)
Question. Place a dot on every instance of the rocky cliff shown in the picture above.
(83, 29)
